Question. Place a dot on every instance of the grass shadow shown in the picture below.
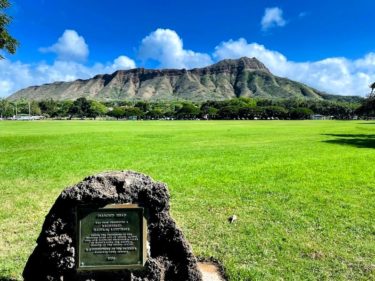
(357, 140)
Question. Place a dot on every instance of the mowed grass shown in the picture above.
(303, 191)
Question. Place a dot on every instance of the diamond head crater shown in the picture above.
(227, 79)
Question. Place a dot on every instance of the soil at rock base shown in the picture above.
(210, 271)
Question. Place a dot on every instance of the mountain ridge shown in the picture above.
(230, 78)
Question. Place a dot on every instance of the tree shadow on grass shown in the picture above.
(357, 140)
(367, 123)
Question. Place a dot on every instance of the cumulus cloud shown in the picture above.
(272, 17)
(123, 62)
(69, 47)
(71, 50)
(336, 75)
(17, 75)
(240, 48)
(166, 47)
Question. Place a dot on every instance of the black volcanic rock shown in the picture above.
(170, 257)
(244, 77)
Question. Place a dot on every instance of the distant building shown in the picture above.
(27, 117)
(320, 117)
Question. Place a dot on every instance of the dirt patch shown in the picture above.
(210, 271)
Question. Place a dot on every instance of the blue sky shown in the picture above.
(329, 45)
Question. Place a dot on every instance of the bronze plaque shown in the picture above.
(112, 237)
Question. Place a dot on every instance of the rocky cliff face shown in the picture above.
(244, 77)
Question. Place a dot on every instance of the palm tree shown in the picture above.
(372, 86)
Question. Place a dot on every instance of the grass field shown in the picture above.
(303, 191)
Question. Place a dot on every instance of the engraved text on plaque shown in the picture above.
(112, 237)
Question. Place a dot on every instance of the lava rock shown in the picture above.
(170, 257)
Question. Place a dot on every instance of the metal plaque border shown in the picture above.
(143, 225)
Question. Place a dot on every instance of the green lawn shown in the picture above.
(303, 191)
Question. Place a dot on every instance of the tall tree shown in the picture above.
(80, 108)
(5, 108)
(301, 113)
(188, 111)
(133, 111)
(372, 86)
(117, 112)
(97, 109)
(7, 42)
(367, 109)
(49, 107)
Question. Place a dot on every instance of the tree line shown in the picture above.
(237, 108)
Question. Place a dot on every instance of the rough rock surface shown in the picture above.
(244, 77)
(54, 257)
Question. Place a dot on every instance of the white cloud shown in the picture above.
(17, 75)
(69, 47)
(272, 17)
(5, 87)
(123, 62)
(166, 47)
(240, 48)
(334, 75)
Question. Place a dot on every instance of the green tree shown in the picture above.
(154, 114)
(117, 112)
(49, 107)
(133, 111)
(367, 109)
(6, 109)
(63, 108)
(143, 105)
(229, 112)
(372, 87)
(242, 102)
(22, 106)
(96, 109)
(7, 42)
(80, 108)
(34, 108)
(274, 111)
(188, 111)
(212, 112)
(250, 112)
(301, 113)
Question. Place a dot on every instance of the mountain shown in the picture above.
(244, 77)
